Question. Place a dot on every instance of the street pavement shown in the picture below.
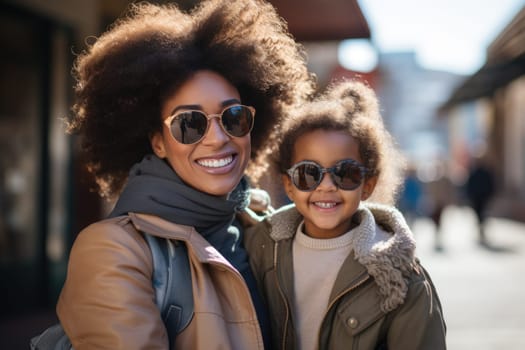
(481, 287)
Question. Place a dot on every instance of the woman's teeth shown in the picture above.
(215, 163)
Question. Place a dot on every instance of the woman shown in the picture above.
(181, 102)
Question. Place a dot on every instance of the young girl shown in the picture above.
(338, 272)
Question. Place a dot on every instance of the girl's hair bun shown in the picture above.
(355, 96)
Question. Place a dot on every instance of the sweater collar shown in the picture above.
(383, 243)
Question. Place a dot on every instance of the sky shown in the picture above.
(448, 35)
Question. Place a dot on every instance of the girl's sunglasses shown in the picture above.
(189, 127)
(346, 174)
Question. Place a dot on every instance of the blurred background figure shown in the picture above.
(440, 192)
(479, 190)
(430, 181)
(410, 199)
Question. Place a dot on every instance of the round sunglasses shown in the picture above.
(190, 126)
(346, 174)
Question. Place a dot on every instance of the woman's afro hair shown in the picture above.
(124, 77)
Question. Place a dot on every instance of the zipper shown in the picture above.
(287, 318)
(339, 296)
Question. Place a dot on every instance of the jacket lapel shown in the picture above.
(200, 247)
(351, 275)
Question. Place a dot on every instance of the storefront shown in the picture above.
(493, 101)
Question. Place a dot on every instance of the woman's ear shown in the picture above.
(368, 187)
(157, 144)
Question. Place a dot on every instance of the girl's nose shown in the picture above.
(327, 184)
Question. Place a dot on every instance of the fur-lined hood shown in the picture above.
(382, 243)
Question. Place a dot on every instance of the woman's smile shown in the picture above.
(215, 163)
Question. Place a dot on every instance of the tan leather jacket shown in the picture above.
(108, 302)
(382, 297)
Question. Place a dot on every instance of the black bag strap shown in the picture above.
(53, 338)
(172, 283)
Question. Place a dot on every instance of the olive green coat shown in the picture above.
(382, 297)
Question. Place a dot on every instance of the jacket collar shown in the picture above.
(159, 227)
(382, 243)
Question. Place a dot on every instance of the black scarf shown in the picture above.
(154, 188)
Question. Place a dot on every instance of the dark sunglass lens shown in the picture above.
(306, 176)
(348, 175)
(189, 127)
(237, 120)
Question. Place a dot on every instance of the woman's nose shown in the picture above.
(215, 133)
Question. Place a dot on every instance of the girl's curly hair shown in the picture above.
(349, 106)
(126, 75)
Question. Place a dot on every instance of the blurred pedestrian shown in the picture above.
(439, 193)
(480, 190)
(410, 199)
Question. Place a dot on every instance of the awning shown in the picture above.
(316, 20)
(308, 20)
(487, 80)
(505, 63)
